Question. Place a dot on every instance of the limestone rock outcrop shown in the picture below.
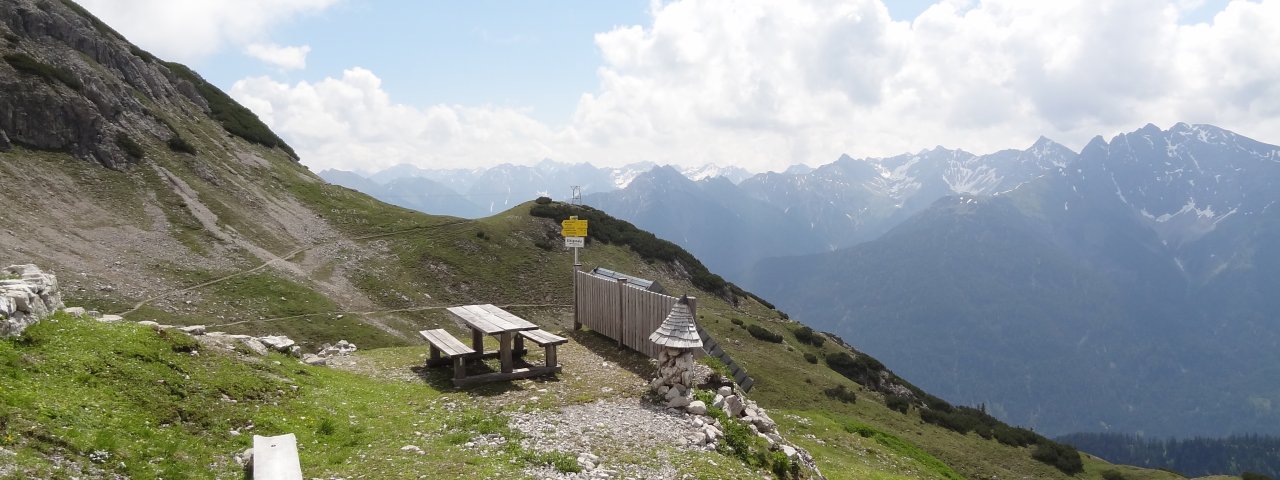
(27, 295)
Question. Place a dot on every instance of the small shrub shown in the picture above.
(841, 393)
(897, 403)
(181, 342)
(561, 461)
(806, 335)
(542, 200)
(26, 64)
(544, 244)
(180, 145)
(129, 146)
(481, 235)
(811, 358)
(1015, 436)
(862, 369)
(718, 368)
(1113, 475)
(860, 429)
(1253, 476)
(326, 427)
(736, 321)
(1062, 457)
(765, 334)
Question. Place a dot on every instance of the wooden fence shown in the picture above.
(623, 312)
(629, 314)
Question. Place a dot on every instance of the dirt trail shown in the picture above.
(287, 258)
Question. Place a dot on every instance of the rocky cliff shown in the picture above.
(98, 96)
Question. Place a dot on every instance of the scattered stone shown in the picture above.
(194, 330)
(733, 406)
(74, 311)
(789, 450)
(145, 323)
(279, 343)
(413, 449)
(315, 360)
(110, 318)
(245, 458)
(679, 402)
(697, 407)
(254, 346)
(725, 391)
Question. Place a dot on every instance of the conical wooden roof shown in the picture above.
(678, 330)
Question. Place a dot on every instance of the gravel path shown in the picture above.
(630, 439)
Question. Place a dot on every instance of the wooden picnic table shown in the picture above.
(486, 320)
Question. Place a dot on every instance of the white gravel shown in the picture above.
(632, 439)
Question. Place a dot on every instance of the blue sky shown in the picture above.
(756, 83)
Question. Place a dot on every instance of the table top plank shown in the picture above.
(475, 320)
(517, 322)
(490, 319)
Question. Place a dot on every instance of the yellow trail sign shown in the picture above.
(573, 227)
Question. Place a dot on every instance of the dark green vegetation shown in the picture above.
(1196, 456)
(237, 119)
(607, 229)
(748, 447)
(806, 335)
(130, 146)
(181, 145)
(761, 333)
(26, 64)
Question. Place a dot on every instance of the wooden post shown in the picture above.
(477, 341)
(435, 354)
(577, 323)
(504, 350)
(622, 323)
(693, 308)
(551, 356)
(459, 367)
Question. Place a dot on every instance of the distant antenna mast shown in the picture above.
(576, 197)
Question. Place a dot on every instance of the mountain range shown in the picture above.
(477, 192)
(1126, 290)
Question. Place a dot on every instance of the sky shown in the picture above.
(368, 84)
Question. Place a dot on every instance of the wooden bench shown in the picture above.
(445, 348)
(546, 340)
(276, 458)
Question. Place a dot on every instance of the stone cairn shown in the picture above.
(676, 379)
(27, 295)
(678, 337)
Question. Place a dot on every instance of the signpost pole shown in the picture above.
(577, 323)
(574, 232)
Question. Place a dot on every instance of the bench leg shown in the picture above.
(505, 349)
(435, 355)
(519, 344)
(459, 368)
(551, 356)
(477, 341)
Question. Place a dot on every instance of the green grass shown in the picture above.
(126, 400)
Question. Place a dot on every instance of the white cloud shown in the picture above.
(350, 122)
(764, 84)
(189, 30)
(286, 58)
